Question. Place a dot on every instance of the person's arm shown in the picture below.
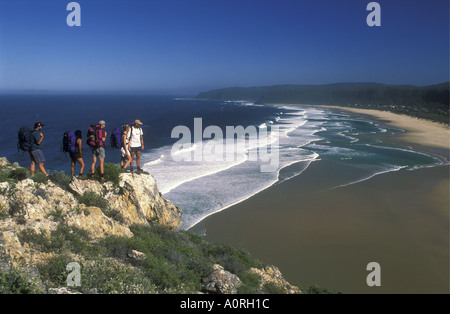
(142, 140)
(41, 139)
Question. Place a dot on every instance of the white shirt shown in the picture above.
(134, 136)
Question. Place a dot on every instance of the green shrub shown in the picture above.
(111, 172)
(19, 174)
(271, 288)
(54, 272)
(109, 276)
(62, 239)
(4, 176)
(61, 179)
(250, 283)
(16, 282)
(93, 199)
(39, 177)
(315, 289)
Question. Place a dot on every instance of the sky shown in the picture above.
(188, 46)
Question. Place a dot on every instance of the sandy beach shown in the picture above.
(418, 131)
(327, 237)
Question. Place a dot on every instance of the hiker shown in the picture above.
(36, 154)
(125, 161)
(136, 143)
(98, 150)
(77, 154)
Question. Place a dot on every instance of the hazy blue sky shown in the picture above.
(194, 45)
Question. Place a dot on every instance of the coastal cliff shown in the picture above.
(121, 234)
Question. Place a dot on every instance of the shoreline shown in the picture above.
(307, 231)
(417, 131)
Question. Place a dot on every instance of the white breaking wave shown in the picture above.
(194, 183)
(306, 135)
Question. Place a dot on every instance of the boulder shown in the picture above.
(221, 282)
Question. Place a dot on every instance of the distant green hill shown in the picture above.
(429, 102)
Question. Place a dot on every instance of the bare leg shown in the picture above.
(132, 157)
(32, 167)
(138, 159)
(81, 162)
(94, 161)
(41, 167)
(102, 161)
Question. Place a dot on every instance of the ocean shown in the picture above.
(195, 169)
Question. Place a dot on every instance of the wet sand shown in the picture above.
(323, 236)
(419, 131)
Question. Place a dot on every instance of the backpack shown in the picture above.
(116, 135)
(116, 138)
(94, 136)
(69, 142)
(24, 139)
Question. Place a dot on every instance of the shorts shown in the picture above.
(99, 152)
(37, 156)
(136, 149)
(124, 152)
(75, 155)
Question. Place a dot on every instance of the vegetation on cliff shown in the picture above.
(428, 102)
(46, 223)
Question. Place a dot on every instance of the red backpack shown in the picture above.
(94, 136)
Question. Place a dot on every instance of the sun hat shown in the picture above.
(138, 122)
(101, 122)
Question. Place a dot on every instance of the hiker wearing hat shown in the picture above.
(99, 150)
(136, 143)
(36, 154)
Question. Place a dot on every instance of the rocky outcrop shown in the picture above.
(37, 207)
(272, 275)
(221, 282)
(28, 205)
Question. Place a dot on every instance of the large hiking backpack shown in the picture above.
(116, 135)
(69, 142)
(116, 138)
(24, 139)
(94, 136)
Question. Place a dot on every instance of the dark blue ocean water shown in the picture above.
(160, 114)
(201, 187)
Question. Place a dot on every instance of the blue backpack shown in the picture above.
(69, 143)
(116, 138)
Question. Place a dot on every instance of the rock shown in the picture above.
(40, 207)
(79, 187)
(138, 200)
(62, 290)
(221, 282)
(137, 256)
(272, 275)
(5, 258)
(96, 223)
(37, 201)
